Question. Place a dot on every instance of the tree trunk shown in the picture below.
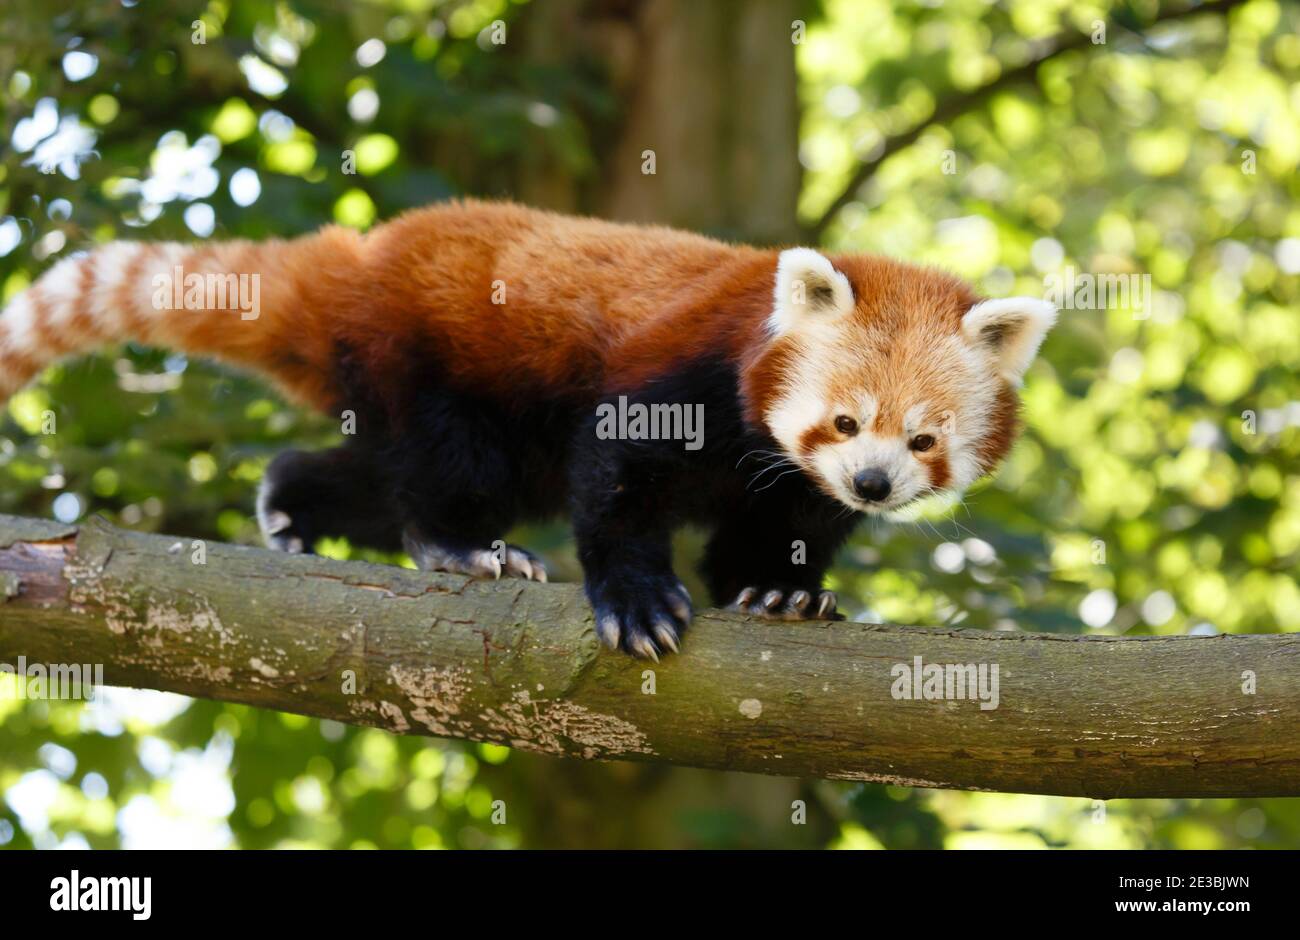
(713, 97)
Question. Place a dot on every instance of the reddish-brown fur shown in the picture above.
(590, 307)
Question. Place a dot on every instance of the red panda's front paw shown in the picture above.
(781, 604)
(641, 615)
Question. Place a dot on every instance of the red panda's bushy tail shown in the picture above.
(260, 305)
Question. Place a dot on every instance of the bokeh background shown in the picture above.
(1157, 489)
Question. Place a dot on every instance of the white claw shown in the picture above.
(771, 599)
(644, 648)
(666, 636)
(487, 563)
(518, 563)
(743, 599)
(826, 603)
(608, 629)
(798, 601)
(276, 522)
(522, 564)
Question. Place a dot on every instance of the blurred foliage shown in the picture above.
(1155, 491)
(1158, 478)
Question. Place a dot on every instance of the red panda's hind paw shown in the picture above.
(498, 561)
(278, 533)
(782, 604)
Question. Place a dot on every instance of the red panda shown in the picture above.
(491, 355)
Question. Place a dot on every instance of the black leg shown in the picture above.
(622, 520)
(771, 559)
(457, 487)
(339, 492)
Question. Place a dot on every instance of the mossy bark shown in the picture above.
(518, 663)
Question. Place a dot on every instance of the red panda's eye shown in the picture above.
(846, 425)
(922, 442)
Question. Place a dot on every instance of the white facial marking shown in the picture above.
(890, 454)
(914, 418)
(794, 413)
(964, 469)
(868, 408)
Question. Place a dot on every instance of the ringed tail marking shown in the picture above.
(250, 305)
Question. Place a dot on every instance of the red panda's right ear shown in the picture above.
(808, 290)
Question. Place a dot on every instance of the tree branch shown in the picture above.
(960, 103)
(517, 663)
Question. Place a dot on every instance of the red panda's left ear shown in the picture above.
(1012, 329)
(808, 291)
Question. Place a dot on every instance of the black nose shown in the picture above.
(872, 485)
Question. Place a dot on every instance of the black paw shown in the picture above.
(291, 503)
(498, 561)
(279, 533)
(643, 615)
(785, 604)
(280, 530)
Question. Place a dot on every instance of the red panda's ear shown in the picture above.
(808, 289)
(1011, 328)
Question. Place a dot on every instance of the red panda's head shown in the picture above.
(887, 382)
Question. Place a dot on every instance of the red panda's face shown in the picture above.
(887, 382)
